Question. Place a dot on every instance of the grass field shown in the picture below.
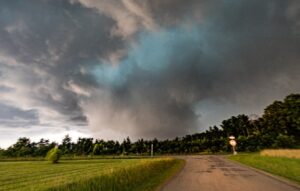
(97, 174)
(84, 157)
(288, 153)
(282, 166)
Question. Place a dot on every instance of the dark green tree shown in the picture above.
(66, 145)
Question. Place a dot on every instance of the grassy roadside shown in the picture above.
(83, 157)
(158, 179)
(282, 166)
(97, 174)
(147, 176)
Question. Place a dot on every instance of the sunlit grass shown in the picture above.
(98, 174)
(289, 153)
(73, 157)
(282, 166)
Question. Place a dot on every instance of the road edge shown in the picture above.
(273, 176)
(172, 177)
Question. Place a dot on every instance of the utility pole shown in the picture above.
(151, 149)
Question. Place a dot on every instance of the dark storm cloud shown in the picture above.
(174, 12)
(56, 41)
(14, 117)
(244, 53)
(147, 68)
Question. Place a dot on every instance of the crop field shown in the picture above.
(282, 166)
(96, 174)
(288, 153)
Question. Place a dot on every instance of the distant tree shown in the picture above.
(140, 146)
(118, 148)
(42, 147)
(292, 110)
(66, 145)
(110, 147)
(126, 146)
(236, 126)
(21, 148)
(279, 127)
(84, 146)
(283, 118)
(284, 141)
(2, 152)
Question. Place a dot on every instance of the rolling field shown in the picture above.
(97, 174)
(288, 153)
(275, 164)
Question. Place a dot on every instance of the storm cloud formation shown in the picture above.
(157, 68)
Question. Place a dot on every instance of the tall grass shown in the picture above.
(138, 177)
(97, 174)
(288, 153)
(74, 157)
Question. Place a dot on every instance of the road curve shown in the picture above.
(215, 173)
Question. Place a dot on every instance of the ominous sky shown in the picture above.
(160, 68)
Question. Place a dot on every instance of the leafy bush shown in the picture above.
(54, 155)
(284, 141)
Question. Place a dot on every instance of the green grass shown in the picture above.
(159, 178)
(74, 157)
(285, 167)
(97, 174)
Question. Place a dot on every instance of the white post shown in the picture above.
(151, 149)
(233, 149)
(233, 143)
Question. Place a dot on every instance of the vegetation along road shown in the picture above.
(215, 173)
(79, 175)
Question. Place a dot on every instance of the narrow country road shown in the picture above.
(215, 173)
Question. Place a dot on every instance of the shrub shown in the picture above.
(284, 141)
(54, 155)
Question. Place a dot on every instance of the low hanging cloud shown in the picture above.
(144, 68)
(15, 117)
(130, 16)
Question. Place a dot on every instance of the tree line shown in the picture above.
(278, 127)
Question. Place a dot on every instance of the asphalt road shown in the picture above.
(215, 173)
